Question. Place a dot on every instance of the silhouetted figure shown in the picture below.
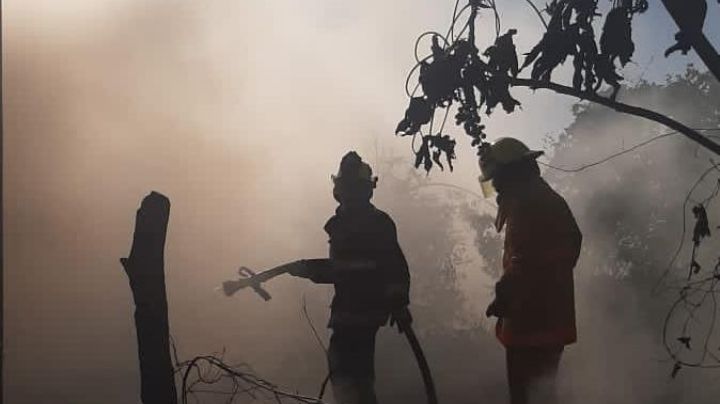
(534, 299)
(371, 281)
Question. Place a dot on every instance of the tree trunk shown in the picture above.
(145, 270)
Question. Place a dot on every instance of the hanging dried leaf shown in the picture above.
(441, 77)
(502, 56)
(422, 156)
(502, 64)
(702, 226)
(562, 38)
(436, 158)
(616, 40)
(444, 144)
(455, 73)
(418, 113)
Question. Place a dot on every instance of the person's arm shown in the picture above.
(390, 270)
(386, 265)
(333, 270)
(329, 270)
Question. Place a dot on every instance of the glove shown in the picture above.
(494, 309)
(401, 317)
(499, 306)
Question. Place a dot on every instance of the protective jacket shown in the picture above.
(542, 245)
(366, 298)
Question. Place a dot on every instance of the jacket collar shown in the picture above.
(352, 210)
(511, 193)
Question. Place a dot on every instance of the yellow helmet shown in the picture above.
(504, 151)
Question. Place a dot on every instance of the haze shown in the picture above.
(238, 111)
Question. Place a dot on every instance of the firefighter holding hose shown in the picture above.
(534, 298)
(371, 279)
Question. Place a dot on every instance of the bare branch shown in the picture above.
(621, 107)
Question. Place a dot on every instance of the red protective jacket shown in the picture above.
(542, 245)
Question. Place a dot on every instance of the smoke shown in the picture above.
(238, 111)
(631, 213)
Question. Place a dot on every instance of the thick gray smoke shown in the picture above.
(631, 212)
(239, 111)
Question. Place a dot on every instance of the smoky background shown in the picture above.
(239, 111)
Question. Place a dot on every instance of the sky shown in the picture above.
(239, 112)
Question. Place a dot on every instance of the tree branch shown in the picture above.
(694, 34)
(621, 107)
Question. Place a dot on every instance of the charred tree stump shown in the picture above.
(145, 270)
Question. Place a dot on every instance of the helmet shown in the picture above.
(352, 169)
(504, 151)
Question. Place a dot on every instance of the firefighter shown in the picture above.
(371, 280)
(534, 298)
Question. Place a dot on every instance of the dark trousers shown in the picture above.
(351, 359)
(531, 373)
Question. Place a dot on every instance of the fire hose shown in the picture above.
(249, 278)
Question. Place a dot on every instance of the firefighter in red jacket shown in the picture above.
(534, 299)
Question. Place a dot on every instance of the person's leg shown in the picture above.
(351, 361)
(366, 365)
(531, 373)
(515, 360)
(542, 377)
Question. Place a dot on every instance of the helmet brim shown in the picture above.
(533, 154)
(530, 154)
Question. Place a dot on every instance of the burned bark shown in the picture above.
(145, 270)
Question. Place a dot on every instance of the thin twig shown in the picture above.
(620, 153)
(538, 12)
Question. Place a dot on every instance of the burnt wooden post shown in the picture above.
(145, 270)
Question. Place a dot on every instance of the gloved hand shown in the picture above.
(499, 306)
(401, 317)
(494, 309)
